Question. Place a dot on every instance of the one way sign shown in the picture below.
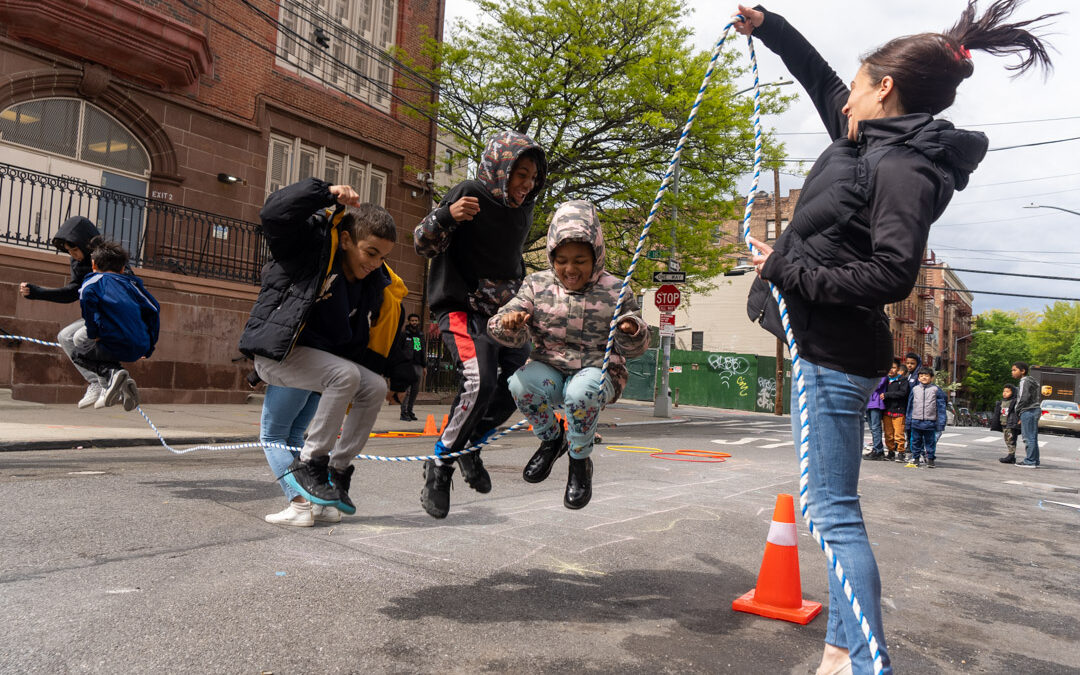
(669, 277)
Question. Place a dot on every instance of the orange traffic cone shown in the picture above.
(445, 419)
(778, 594)
(429, 426)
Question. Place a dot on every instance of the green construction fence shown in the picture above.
(713, 379)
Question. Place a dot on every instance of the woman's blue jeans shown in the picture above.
(836, 403)
(538, 390)
(286, 413)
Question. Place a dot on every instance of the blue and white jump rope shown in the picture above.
(793, 348)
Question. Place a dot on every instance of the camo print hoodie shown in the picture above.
(569, 329)
(477, 263)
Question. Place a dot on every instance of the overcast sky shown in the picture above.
(985, 226)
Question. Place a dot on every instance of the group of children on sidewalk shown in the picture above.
(907, 414)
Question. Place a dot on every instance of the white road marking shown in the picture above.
(954, 445)
(777, 445)
(989, 439)
(742, 441)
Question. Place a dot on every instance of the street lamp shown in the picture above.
(1058, 208)
(956, 346)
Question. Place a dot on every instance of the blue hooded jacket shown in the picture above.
(121, 314)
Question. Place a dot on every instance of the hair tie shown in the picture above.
(961, 54)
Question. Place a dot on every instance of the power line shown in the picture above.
(1031, 145)
(1004, 274)
(1025, 195)
(1013, 295)
(1022, 180)
(961, 126)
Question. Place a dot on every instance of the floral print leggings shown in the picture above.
(539, 390)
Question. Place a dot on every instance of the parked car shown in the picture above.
(983, 418)
(950, 415)
(1061, 416)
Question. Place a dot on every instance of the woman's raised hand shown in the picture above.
(751, 20)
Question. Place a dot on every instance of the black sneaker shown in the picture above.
(412, 417)
(312, 481)
(435, 497)
(929, 462)
(539, 466)
(913, 463)
(875, 457)
(902, 457)
(1008, 459)
(891, 456)
(341, 480)
(474, 473)
(578, 484)
(405, 417)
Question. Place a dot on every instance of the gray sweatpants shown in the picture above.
(341, 382)
(73, 337)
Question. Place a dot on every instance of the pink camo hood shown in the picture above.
(577, 221)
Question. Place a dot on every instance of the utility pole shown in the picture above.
(778, 407)
(662, 402)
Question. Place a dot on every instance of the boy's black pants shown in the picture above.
(483, 401)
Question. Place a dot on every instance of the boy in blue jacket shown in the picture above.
(925, 418)
(122, 323)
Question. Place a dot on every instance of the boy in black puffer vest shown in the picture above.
(328, 319)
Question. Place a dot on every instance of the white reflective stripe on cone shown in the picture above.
(783, 534)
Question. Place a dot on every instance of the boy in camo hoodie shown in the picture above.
(567, 311)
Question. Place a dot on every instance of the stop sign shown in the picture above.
(667, 298)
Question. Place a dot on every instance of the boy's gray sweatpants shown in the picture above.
(341, 382)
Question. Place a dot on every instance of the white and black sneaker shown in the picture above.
(115, 389)
(93, 393)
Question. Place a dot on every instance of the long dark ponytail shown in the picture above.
(927, 68)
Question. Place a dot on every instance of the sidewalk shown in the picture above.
(38, 426)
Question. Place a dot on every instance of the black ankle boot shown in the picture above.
(539, 467)
(578, 484)
(435, 497)
(474, 473)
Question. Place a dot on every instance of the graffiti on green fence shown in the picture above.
(766, 393)
(729, 367)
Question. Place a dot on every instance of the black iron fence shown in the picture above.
(156, 234)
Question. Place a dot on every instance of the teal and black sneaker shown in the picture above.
(341, 480)
(312, 480)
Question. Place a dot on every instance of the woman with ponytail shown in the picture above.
(855, 244)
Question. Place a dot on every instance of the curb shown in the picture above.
(74, 444)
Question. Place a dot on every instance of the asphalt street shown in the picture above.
(135, 560)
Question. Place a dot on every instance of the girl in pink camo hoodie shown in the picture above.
(568, 311)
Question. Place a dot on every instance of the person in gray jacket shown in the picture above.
(1028, 406)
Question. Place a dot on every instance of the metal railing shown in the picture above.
(156, 234)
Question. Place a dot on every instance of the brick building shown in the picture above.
(935, 320)
(167, 122)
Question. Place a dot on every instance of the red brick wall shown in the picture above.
(201, 322)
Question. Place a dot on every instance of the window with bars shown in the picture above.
(697, 340)
(76, 129)
(342, 43)
(290, 160)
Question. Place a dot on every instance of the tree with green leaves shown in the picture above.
(992, 355)
(1053, 336)
(1072, 358)
(605, 87)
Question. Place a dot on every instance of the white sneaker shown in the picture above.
(296, 514)
(93, 393)
(100, 402)
(325, 514)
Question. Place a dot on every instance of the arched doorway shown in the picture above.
(56, 153)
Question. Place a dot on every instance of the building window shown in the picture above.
(449, 161)
(291, 160)
(770, 228)
(75, 129)
(697, 340)
(341, 43)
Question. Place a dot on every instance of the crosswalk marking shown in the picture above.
(988, 439)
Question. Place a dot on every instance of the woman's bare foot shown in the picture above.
(833, 661)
